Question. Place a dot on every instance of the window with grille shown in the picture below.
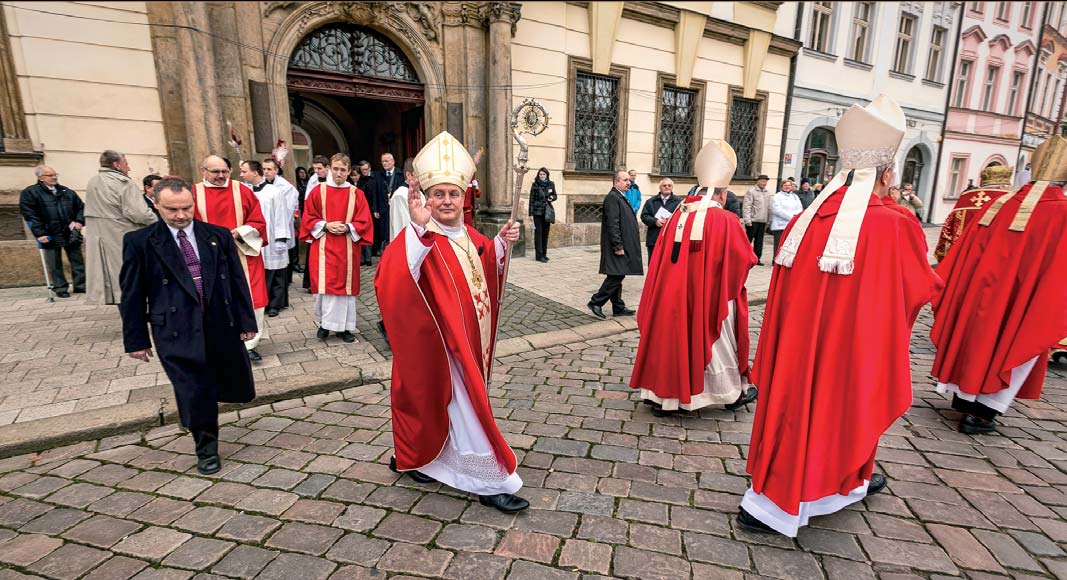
(676, 126)
(963, 80)
(861, 30)
(905, 35)
(821, 19)
(596, 121)
(744, 130)
(935, 54)
(588, 213)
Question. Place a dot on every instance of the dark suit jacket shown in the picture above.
(648, 215)
(379, 200)
(201, 351)
(618, 230)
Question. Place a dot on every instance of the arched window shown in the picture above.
(913, 168)
(354, 51)
(820, 155)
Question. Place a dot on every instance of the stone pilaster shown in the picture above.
(501, 18)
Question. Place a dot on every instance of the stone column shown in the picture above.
(501, 18)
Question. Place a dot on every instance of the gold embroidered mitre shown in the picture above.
(715, 164)
(996, 175)
(869, 136)
(1049, 162)
(444, 160)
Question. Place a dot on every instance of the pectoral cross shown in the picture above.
(980, 199)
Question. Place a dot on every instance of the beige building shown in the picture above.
(627, 85)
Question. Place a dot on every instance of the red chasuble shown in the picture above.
(333, 260)
(691, 291)
(893, 205)
(1004, 299)
(832, 365)
(963, 217)
(426, 320)
(231, 206)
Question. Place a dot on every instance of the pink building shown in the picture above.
(988, 96)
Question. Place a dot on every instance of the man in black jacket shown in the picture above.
(386, 182)
(56, 215)
(184, 278)
(620, 249)
(668, 202)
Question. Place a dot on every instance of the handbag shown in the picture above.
(550, 213)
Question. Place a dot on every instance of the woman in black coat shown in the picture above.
(542, 194)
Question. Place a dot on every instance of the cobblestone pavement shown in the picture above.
(305, 493)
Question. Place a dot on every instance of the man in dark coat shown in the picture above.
(367, 182)
(386, 182)
(620, 249)
(55, 215)
(650, 213)
(184, 278)
(733, 205)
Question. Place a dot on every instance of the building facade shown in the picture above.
(854, 51)
(989, 95)
(628, 85)
(1046, 112)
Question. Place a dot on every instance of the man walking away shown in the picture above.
(55, 215)
(620, 249)
(756, 212)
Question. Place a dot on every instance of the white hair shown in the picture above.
(39, 170)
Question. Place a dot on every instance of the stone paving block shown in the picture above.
(907, 554)
(120, 503)
(715, 550)
(656, 539)
(101, 531)
(304, 538)
(411, 559)
(314, 512)
(204, 520)
(314, 485)
(79, 495)
(347, 491)
(528, 546)
(778, 563)
(522, 570)
(440, 507)
(586, 556)
(830, 543)
(393, 497)
(198, 553)
(548, 522)
(629, 562)
(963, 548)
(469, 566)
(1007, 551)
(117, 568)
(20, 511)
(837, 569)
(642, 511)
(244, 562)
(288, 566)
(26, 549)
(152, 544)
(248, 528)
(184, 487)
(467, 538)
(55, 522)
(40, 487)
(358, 518)
(161, 511)
(1037, 544)
(407, 528)
(586, 503)
(267, 501)
(358, 549)
(603, 529)
(147, 481)
(163, 574)
(109, 474)
(68, 562)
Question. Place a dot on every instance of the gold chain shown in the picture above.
(476, 277)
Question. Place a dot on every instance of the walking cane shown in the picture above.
(44, 267)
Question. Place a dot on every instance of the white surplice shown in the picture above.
(1001, 400)
(467, 461)
(279, 226)
(399, 212)
(292, 201)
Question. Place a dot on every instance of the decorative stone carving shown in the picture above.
(503, 12)
(426, 15)
(271, 7)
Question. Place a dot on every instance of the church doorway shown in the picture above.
(352, 90)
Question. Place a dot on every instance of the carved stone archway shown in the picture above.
(417, 36)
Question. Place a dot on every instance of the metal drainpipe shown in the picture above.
(1033, 80)
(944, 121)
(789, 95)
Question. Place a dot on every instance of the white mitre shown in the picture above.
(715, 164)
(444, 160)
(867, 138)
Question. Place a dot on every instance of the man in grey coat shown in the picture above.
(620, 249)
(114, 206)
(756, 212)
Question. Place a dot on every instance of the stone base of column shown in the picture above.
(489, 224)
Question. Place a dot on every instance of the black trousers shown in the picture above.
(307, 266)
(541, 228)
(755, 235)
(650, 250)
(54, 259)
(777, 240)
(973, 408)
(294, 263)
(365, 256)
(207, 442)
(610, 290)
(277, 289)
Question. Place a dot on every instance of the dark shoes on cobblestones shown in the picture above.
(208, 465)
(346, 336)
(508, 503)
(877, 484)
(751, 523)
(254, 356)
(418, 476)
(322, 333)
(596, 310)
(745, 398)
(272, 312)
(624, 311)
(972, 425)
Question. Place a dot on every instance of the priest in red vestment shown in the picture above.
(1003, 306)
(439, 286)
(833, 365)
(694, 344)
(473, 192)
(996, 181)
(232, 205)
(337, 219)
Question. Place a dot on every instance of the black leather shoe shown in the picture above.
(322, 333)
(79, 290)
(877, 483)
(346, 336)
(272, 312)
(759, 263)
(63, 294)
(508, 503)
(658, 411)
(623, 312)
(750, 523)
(542, 259)
(545, 258)
(208, 465)
(254, 356)
(745, 398)
(298, 269)
(381, 329)
(972, 425)
(418, 476)
(597, 311)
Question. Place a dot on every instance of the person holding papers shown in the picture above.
(657, 211)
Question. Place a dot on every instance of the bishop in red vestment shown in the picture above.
(439, 286)
(233, 205)
(996, 181)
(833, 365)
(1003, 304)
(694, 340)
(337, 219)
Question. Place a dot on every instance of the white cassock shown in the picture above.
(276, 213)
(336, 313)
(399, 213)
(292, 201)
(467, 461)
(313, 182)
(1001, 400)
